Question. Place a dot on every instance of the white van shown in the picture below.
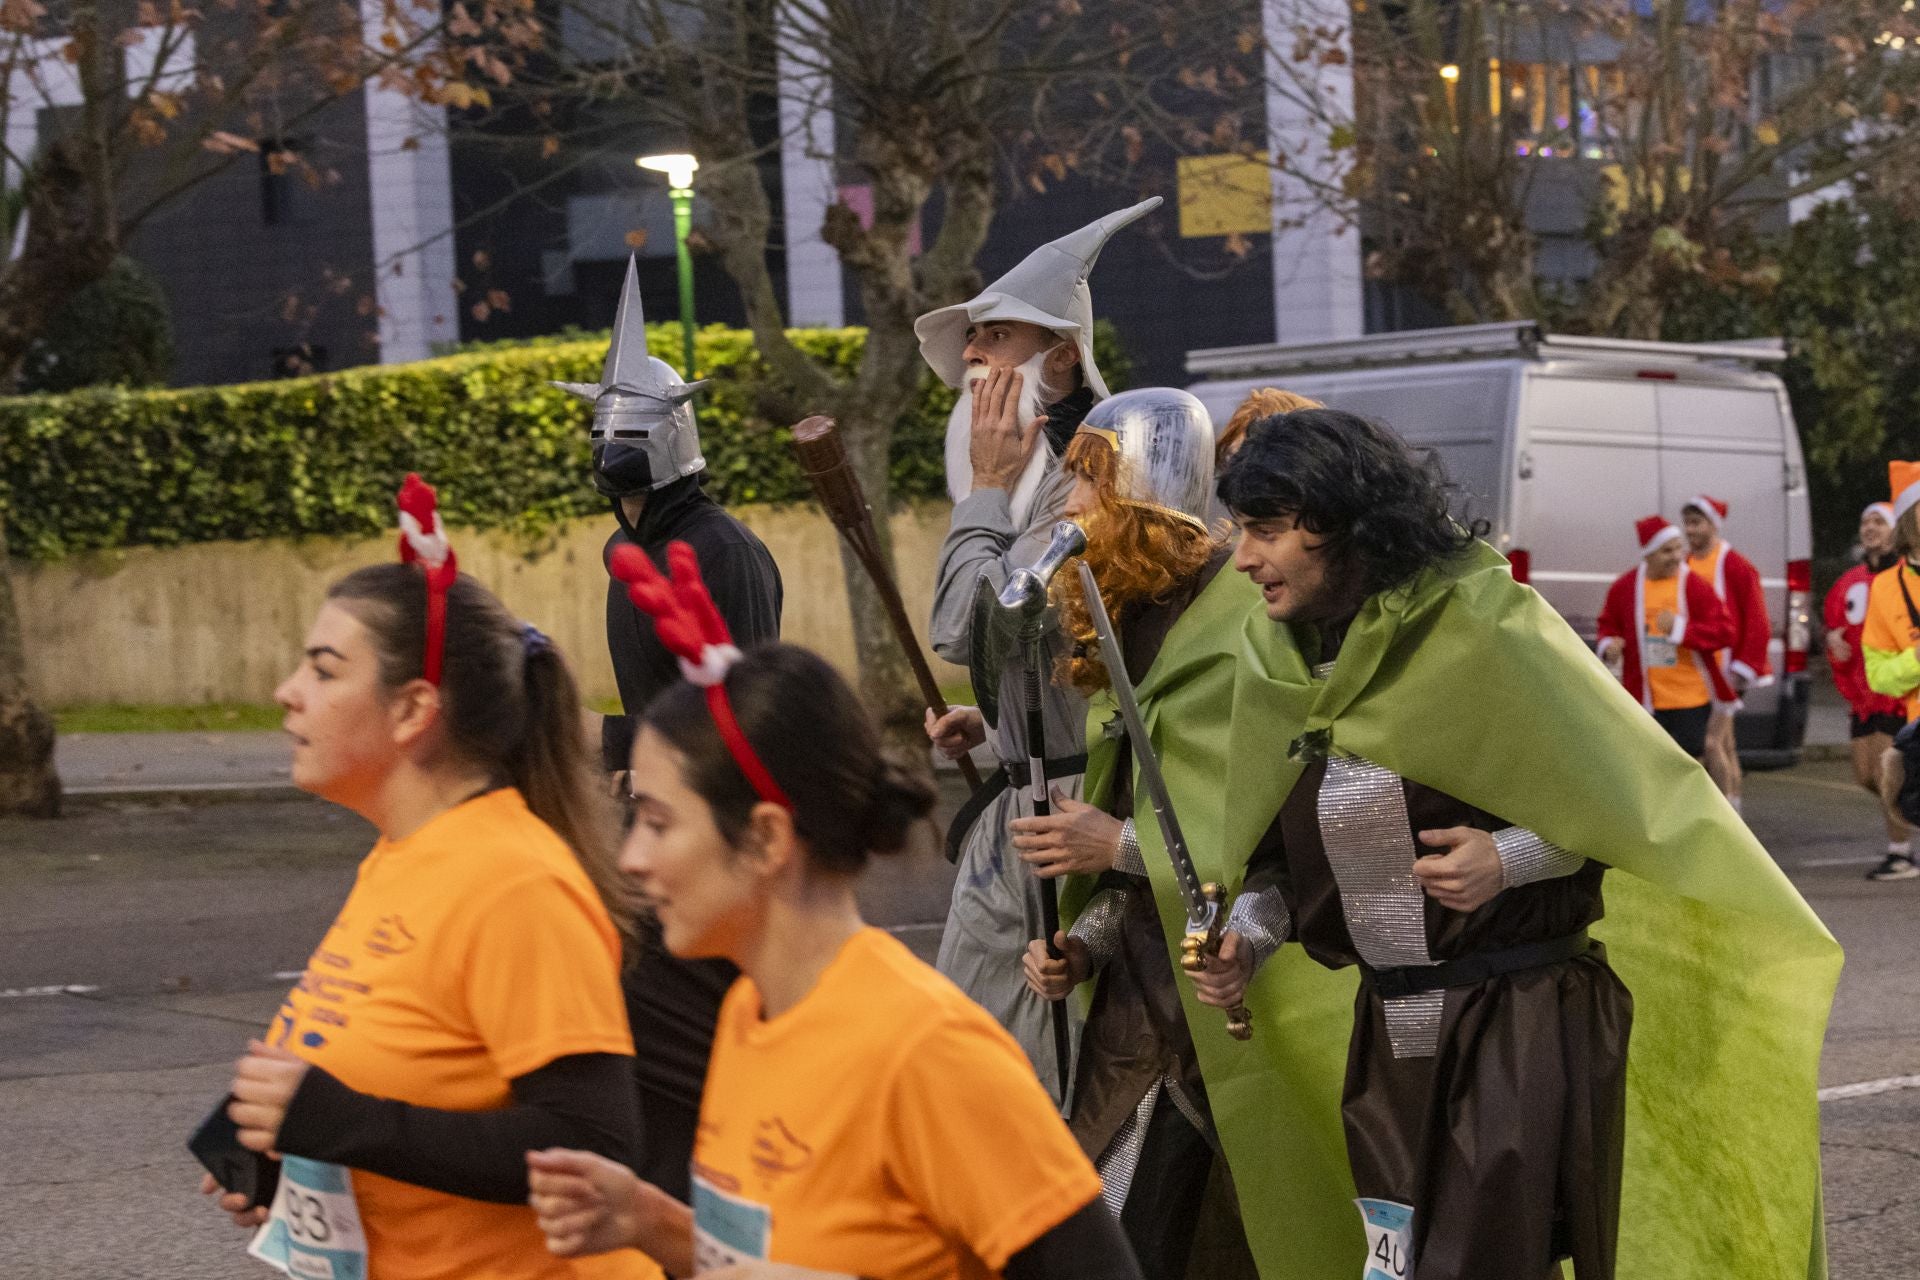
(1561, 443)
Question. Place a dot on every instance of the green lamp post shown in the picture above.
(679, 168)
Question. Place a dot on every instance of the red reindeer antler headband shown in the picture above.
(423, 540)
(691, 628)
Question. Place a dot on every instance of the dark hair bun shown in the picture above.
(901, 801)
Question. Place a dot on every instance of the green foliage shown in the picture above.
(1844, 297)
(109, 467)
(115, 332)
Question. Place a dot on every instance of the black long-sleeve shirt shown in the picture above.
(740, 575)
(584, 1101)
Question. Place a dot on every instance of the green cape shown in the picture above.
(1468, 682)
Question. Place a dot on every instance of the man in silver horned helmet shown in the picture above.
(647, 463)
(1141, 477)
(1021, 355)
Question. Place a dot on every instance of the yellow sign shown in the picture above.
(1225, 195)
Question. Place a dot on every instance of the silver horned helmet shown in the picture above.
(1164, 442)
(643, 430)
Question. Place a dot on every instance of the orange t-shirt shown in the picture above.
(1683, 684)
(1888, 627)
(885, 1126)
(472, 952)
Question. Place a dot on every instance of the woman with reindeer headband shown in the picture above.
(465, 1004)
(861, 1116)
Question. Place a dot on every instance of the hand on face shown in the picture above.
(1076, 837)
(1467, 876)
(1002, 439)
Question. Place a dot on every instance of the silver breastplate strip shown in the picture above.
(1368, 838)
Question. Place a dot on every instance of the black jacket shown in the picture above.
(739, 572)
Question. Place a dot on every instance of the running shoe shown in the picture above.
(1896, 866)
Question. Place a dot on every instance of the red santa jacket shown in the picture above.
(1846, 613)
(1701, 627)
(1737, 583)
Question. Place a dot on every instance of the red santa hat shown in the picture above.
(1882, 509)
(1904, 479)
(1654, 532)
(1712, 508)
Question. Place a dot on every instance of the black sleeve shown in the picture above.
(1087, 1246)
(585, 1101)
(1267, 866)
(745, 586)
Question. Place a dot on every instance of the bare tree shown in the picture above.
(1673, 127)
(937, 106)
(111, 109)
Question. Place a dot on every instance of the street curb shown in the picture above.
(196, 793)
(1826, 751)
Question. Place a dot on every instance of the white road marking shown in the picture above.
(17, 993)
(288, 975)
(1867, 1088)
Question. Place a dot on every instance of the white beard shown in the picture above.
(960, 439)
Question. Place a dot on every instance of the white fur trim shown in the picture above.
(432, 548)
(1667, 534)
(1704, 505)
(1906, 500)
(715, 661)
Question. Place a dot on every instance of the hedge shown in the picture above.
(108, 467)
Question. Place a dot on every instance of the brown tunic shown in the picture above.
(1506, 1140)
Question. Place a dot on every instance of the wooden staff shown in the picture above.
(824, 459)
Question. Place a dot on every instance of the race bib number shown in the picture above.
(313, 1230)
(727, 1229)
(1662, 652)
(1389, 1240)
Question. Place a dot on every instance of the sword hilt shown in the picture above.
(1200, 945)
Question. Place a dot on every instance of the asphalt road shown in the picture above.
(139, 946)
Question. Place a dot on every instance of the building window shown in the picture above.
(1558, 110)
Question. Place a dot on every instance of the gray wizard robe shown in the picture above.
(996, 899)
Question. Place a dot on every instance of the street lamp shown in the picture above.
(679, 168)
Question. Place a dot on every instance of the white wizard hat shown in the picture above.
(1047, 288)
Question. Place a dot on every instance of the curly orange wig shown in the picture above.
(1261, 402)
(1137, 553)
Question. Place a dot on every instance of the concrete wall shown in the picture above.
(223, 622)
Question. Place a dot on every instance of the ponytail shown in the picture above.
(508, 701)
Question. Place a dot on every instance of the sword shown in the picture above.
(1206, 903)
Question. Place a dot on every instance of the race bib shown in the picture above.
(1662, 652)
(313, 1230)
(1389, 1239)
(727, 1229)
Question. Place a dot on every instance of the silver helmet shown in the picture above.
(1164, 440)
(643, 430)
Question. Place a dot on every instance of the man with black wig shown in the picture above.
(1421, 778)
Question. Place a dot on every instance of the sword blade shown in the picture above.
(1200, 910)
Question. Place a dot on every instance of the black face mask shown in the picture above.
(621, 470)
